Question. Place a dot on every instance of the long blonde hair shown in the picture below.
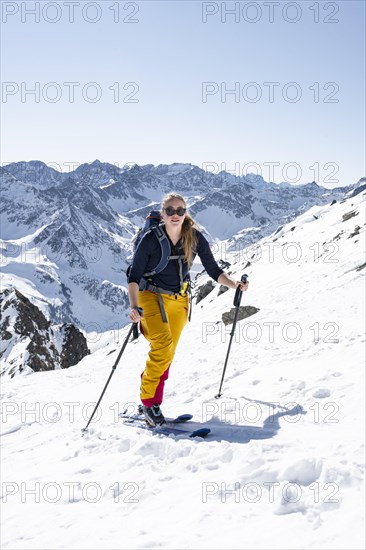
(189, 228)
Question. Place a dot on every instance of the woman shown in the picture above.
(164, 298)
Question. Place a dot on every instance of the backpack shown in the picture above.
(153, 224)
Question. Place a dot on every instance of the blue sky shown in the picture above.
(172, 70)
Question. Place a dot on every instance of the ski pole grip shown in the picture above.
(238, 292)
(139, 310)
(135, 330)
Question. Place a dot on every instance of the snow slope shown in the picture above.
(284, 465)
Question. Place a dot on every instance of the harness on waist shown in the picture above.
(159, 291)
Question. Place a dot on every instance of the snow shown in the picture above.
(216, 223)
(283, 466)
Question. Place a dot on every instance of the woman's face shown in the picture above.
(170, 214)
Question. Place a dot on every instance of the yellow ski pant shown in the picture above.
(163, 339)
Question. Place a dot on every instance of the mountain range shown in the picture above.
(66, 237)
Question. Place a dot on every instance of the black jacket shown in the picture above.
(148, 254)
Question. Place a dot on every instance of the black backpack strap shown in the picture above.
(164, 248)
(165, 255)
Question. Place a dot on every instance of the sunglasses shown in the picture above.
(180, 211)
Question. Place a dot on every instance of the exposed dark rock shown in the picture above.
(224, 264)
(337, 237)
(74, 346)
(30, 317)
(42, 346)
(349, 215)
(222, 289)
(204, 291)
(243, 313)
(355, 232)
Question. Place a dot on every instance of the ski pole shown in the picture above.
(84, 430)
(237, 300)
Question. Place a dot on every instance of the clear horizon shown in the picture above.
(210, 169)
(275, 88)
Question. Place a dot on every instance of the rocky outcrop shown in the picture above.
(74, 346)
(243, 313)
(204, 290)
(222, 289)
(31, 343)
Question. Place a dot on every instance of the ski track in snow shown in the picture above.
(286, 449)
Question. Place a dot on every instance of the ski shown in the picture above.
(169, 428)
(139, 416)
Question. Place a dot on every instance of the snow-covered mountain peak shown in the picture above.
(69, 241)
